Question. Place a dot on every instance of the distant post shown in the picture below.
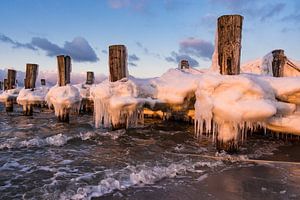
(43, 81)
(64, 69)
(117, 62)
(1, 85)
(229, 43)
(11, 84)
(5, 82)
(64, 74)
(90, 78)
(184, 64)
(279, 60)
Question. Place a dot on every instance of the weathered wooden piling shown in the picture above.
(279, 60)
(90, 78)
(229, 43)
(43, 81)
(29, 83)
(117, 62)
(31, 75)
(184, 64)
(1, 85)
(5, 83)
(11, 78)
(64, 69)
(64, 78)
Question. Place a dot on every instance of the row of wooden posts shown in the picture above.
(229, 50)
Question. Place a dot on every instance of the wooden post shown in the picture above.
(5, 82)
(117, 62)
(1, 85)
(279, 60)
(64, 69)
(184, 64)
(11, 79)
(90, 78)
(43, 81)
(31, 75)
(64, 74)
(229, 43)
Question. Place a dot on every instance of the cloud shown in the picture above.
(196, 47)
(147, 51)
(133, 58)
(254, 8)
(16, 44)
(176, 58)
(50, 48)
(137, 5)
(79, 49)
(104, 51)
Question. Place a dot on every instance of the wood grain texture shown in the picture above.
(117, 62)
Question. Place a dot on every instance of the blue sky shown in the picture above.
(157, 33)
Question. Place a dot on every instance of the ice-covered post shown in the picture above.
(11, 84)
(184, 64)
(43, 81)
(90, 78)
(229, 43)
(29, 82)
(64, 74)
(117, 62)
(279, 60)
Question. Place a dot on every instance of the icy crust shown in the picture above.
(227, 106)
(263, 66)
(84, 90)
(116, 103)
(63, 99)
(29, 97)
(122, 102)
(9, 94)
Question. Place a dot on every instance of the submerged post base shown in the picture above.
(28, 111)
(9, 105)
(64, 118)
(229, 146)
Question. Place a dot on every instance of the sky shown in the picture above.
(157, 33)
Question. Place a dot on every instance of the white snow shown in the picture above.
(64, 98)
(29, 97)
(9, 94)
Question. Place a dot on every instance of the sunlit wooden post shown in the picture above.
(43, 81)
(279, 60)
(90, 78)
(117, 62)
(229, 43)
(64, 69)
(29, 83)
(11, 84)
(184, 64)
(31, 75)
(64, 74)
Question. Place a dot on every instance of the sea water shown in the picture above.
(41, 158)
